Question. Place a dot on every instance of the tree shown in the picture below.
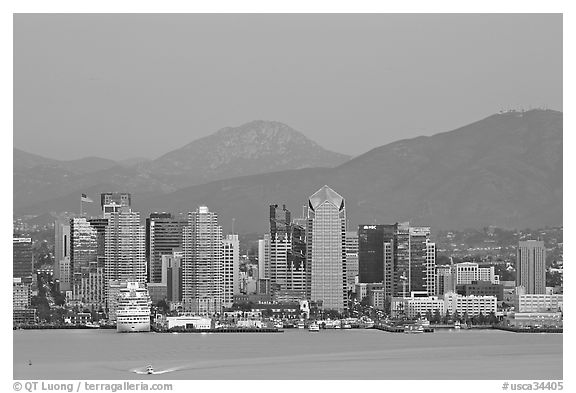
(446, 318)
(492, 318)
(481, 318)
(437, 317)
(163, 306)
(456, 316)
(42, 307)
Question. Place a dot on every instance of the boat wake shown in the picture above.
(146, 371)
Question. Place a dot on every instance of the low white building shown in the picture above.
(471, 305)
(194, 322)
(414, 305)
(536, 303)
(249, 323)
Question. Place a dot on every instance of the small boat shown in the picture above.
(301, 325)
(457, 325)
(149, 369)
(314, 327)
(346, 326)
(413, 329)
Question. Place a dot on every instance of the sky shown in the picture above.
(120, 86)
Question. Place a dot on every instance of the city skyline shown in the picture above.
(288, 197)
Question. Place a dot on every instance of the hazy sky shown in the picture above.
(121, 85)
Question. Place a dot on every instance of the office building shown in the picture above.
(538, 303)
(416, 305)
(21, 294)
(108, 199)
(531, 266)
(352, 268)
(172, 276)
(282, 253)
(61, 252)
(231, 269)
(470, 305)
(481, 288)
(422, 271)
(326, 250)
(22, 257)
(466, 272)
(202, 267)
(444, 280)
(163, 236)
(87, 271)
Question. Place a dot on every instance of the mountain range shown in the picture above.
(504, 170)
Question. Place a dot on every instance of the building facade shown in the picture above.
(202, 263)
(231, 269)
(125, 250)
(531, 266)
(163, 236)
(326, 249)
(22, 257)
(352, 268)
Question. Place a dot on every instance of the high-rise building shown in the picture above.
(531, 266)
(400, 256)
(444, 280)
(231, 269)
(352, 269)
(61, 252)
(422, 272)
(375, 253)
(125, 258)
(202, 268)
(22, 257)
(279, 221)
(172, 275)
(163, 237)
(114, 198)
(282, 254)
(297, 261)
(326, 249)
(21, 294)
(87, 271)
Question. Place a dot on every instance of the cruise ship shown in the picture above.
(133, 309)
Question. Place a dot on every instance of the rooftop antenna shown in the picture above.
(233, 220)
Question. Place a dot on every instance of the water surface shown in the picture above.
(294, 354)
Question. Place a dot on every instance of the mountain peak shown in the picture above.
(255, 147)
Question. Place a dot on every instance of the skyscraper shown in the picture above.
(87, 271)
(374, 261)
(125, 258)
(114, 198)
(282, 255)
(202, 269)
(352, 268)
(400, 256)
(326, 249)
(22, 257)
(531, 266)
(422, 271)
(163, 237)
(61, 253)
(231, 269)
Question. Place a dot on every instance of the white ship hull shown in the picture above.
(128, 327)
